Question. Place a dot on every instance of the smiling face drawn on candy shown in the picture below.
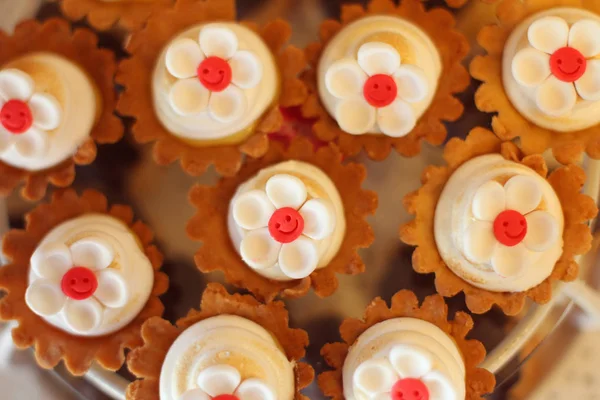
(568, 64)
(510, 227)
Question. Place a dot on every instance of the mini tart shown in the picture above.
(169, 110)
(48, 335)
(104, 14)
(500, 162)
(53, 42)
(434, 38)
(212, 224)
(560, 112)
(365, 339)
(147, 362)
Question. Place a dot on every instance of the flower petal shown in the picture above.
(286, 191)
(397, 119)
(555, 98)
(439, 386)
(375, 376)
(15, 84)
(523, 193)
(188, 97)
(112, 289)
(509, 261)
(83, 315)
(216, 41)
(92, 252)
(32, 144)
(247, 71)
(345, 79)
(548, 34)
(254, 389)
(480, 242)
(6, 138)
(585, 37)
(46, 111)
(219, 379)
(319, 218)
(45, 297)
(410, 361)
(378, 58)
(228, 105)
(252, 210)
(355, 116)
(412, 83)
(542, 231)
(489, 201)
(51, 261)
(195, 394)
(530, 67)
(183, 58)
(299, 258)
(259, 250)
(588, 86)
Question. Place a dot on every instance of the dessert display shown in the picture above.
(207, 89)
(287, 221)
(406, 351)
(57, 101)
(496, 225)
(540, 76)
(376, 78)
(82, 279)
(233, 347)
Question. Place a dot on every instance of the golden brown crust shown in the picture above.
(566, 181)
(145, 362)
(209, 225)
(405, 304)
(102, 15)
(567, 147)
(51, 344)
(81, 47)
(452, 46)
(135, 74)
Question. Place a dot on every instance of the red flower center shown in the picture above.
(16, 116)
(380, 90)
(286, 225)
(225, 397)
(79, 283)
(510, 227)
(568, 64)
(215, 73)
(410, 389)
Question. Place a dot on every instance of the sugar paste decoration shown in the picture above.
(224, 382)
(26, 116)
(212, 74)
(509, 230)
(560, 62)
(404, 373)
(376, 91)
(283, 226)
(76, 281)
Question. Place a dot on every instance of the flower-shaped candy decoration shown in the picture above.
(405, 373)
(25, 116)
(509, 230)
(75, 280)
(211, 74)
(224, 382)
(376, 91)
(560, 63)
(284, 227)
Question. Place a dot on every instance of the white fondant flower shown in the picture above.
(283, 226)
(561, 63)
(212, 73)
(508, 230)
(25, 116)
(76, 281)
(376, 90)
(407, 370)
(223, 379)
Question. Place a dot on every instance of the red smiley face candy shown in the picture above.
(215, 74)
(225, 397)
(79, 283)
(568, 64)
(16, 116)
(286, 225)
(410, 389)
(510, 227)
(380, 90)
